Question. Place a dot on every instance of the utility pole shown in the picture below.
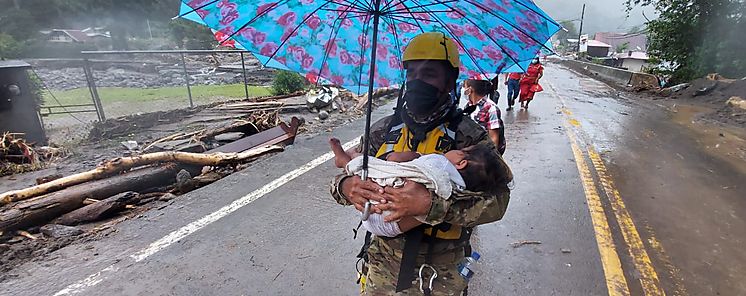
(580, 32)
(149, 30)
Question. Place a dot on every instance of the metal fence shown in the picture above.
(121, 83)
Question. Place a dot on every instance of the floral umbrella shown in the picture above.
(358, 44)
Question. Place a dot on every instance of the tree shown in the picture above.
(698, 37)
(622, 47)
(571, 33)
(191, 35)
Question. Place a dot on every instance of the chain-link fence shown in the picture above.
(111, 84)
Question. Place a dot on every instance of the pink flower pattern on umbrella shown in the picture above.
(333, 41)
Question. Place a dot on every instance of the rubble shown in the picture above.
(57, 231)
(736, 102)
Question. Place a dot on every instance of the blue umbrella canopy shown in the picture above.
(333, 39)
(360, 42)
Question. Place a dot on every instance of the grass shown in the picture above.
(173, 94)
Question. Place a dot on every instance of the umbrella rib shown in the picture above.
(362, 56)
(541, 15)
(198, 8)
(355, 4)
(252, 20)
(340, 10)
(298, 27)
(488, 36)
(415, 19)
(437, 19)
(391, 4)
(424, 6)
(507, 22)
(398, 45)
(334, 33)
(403, 21)
(401, 18)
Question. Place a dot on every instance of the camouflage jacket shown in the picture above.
(466, 209)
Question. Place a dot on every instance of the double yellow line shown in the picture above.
(616, 281)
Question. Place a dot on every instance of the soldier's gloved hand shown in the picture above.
(412, 199)
(358, 192)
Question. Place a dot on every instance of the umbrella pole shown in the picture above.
(369, 111)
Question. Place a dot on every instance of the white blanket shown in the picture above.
(432, 170)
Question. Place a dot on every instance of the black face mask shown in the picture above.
(421, 98)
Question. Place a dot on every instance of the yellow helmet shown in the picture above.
(432, 46)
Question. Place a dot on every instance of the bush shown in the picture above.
(287, 82)
(9, 46)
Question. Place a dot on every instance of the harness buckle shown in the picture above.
(429, 288)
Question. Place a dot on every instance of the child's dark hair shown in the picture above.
(486, 170)
(480, 87)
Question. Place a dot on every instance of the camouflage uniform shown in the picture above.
(466, 209)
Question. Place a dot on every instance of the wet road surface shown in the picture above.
(617, 197)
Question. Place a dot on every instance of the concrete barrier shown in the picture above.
(615, 75)
(619, 77)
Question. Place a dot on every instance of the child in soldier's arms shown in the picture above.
(474, 168)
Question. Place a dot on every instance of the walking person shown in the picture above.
(513, 81)
(486, 112)
(426, 121)
(530, 82)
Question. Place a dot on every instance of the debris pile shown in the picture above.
(17, 156)
(725, 95)
(152, 175)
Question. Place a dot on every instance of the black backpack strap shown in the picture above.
(408, 264)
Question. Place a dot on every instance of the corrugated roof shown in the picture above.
(596, 43)
(636, 55)
(633, 41)
(13, 64)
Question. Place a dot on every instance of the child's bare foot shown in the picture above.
(341, 158)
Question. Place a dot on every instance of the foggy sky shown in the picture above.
(600, 15)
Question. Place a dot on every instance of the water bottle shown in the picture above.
(466, 266)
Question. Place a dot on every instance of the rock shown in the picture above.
(736, 102)
(46, 179)
(184, 181)
(323, 115)
(229, 137)
(676, 88)
(130, 145)
(707, 88)
(167, 197)
(57, 231)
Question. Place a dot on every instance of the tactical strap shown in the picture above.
(408, 264)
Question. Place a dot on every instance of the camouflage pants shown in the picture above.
(383, 271)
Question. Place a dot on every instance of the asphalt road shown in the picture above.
(617, 197)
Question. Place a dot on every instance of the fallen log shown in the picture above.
(99, 210)
(246, 127)
(45, 208)
(118, 165)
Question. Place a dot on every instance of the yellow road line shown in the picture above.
(616, 283)
(673, 271)
(648, 277)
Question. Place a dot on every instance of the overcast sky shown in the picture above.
(600, 15)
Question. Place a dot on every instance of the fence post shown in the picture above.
(186, 77)
(245, 82)
(94, 91)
